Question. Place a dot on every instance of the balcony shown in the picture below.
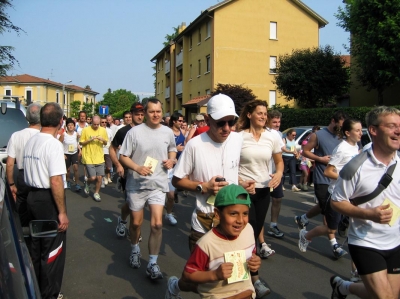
(178, 88)
(167, 92)
(179, 59)
(167, 67)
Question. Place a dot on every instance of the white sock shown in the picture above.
(333, 242)
(153, 259)
(272, 224)
(304, 218)
(344, 288)
(135, 247)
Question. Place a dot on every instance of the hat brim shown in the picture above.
(219, 115)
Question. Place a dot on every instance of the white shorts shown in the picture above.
(137, 199)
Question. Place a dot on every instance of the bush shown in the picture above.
(319, 116)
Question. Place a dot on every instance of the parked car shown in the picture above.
(304, 131)
(12, 119)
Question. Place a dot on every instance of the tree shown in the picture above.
(312, 77)
(88, 108)
(375, 29)
(7, 60)
(239, 94)
(75, 107)
(118, 100)
(170, 37)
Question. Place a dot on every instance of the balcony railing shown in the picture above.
(178, 88)
(167, 67)
(167, 92)
(179, 59)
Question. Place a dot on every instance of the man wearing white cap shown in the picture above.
(207, 159)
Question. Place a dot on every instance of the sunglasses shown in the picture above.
(103, 122)
(179, 120)
(222, 123)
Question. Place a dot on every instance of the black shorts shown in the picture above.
(369, 260)
(331, 216)
(71, 159)
(278, 191)
(322, 194)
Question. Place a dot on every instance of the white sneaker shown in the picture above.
(171, 219)
(154, 272)
(97, 197)
(355, 277)
(105, 181)
(109, 180)
(168, 293)
(295, 189)
(134, 260)
(261, 289)
(121, 228)
(303, 242)
(266, 251)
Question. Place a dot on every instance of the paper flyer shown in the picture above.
(396, 210)
(240, 272)
(151, 162)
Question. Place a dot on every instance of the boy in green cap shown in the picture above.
(207, 271)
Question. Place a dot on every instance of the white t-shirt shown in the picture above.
(70, 143)
(107, 146)
(256, 156)
(114, 129)
(141, 142)
(16, 145)
(79, 129)
(341, 155)
(202, 159)
(366, 232)
(43, 159)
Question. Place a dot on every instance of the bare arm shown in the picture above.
(277, 176)
(330, 172)
(127, 162)
(114, 159)
(171, 161)
(223, 272)
(191, 133)
(57, 190)
(311, 144)
(211, 187)
(10, 176)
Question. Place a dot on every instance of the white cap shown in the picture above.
(220, 106)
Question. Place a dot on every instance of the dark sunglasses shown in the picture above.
(222, 123)
(103, 122)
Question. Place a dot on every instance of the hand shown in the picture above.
(254, 263)
(275, 180)
(14, 192)
(120, 170)
(213, 187)
(168, 164)
(249, 185)
(381, 214)
(180, 147)
(62, 222)
(80, 153)
(324, 159)
(65, 157)
(143, 170)
(224, 271)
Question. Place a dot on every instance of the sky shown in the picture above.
(109, 43)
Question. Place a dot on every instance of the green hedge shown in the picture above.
(319, 116)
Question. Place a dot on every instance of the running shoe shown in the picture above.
(261, 289)
(86, 187)
(266, 251)
(97, 197)
(295, 189)
(355, 277)
(275, 232)
(105, 181)
(78, 188)
(301, 225)
(171, 219)
(303, 242)
(338, 251)
(168, 294)
(109, 180)
(68, 185)
(336, 282)
(154, 271)
(121, 228)
(134, 260)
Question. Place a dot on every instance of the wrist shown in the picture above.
(11, 184)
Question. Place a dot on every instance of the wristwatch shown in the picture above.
(199, 188)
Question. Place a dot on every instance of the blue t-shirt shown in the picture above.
(180, 139)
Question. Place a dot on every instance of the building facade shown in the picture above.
(233, 42)
(31, 89)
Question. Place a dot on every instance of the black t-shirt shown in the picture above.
(120, 136)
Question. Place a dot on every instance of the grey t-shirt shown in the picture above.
(141, 142)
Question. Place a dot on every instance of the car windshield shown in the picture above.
(14, 120)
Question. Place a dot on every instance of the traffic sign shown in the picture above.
(103, 110)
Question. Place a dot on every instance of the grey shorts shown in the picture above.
(95, 170)
(137, 199)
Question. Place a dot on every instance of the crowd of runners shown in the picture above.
(152, 157)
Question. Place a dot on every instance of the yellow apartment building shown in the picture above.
(233, 42)
(31, 89)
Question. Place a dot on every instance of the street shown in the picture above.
(97, 261)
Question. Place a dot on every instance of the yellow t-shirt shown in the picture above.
(92, 153)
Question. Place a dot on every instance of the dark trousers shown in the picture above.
(22, 196)
(48, 254)
(289, 165)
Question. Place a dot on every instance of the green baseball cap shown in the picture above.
(228, 195)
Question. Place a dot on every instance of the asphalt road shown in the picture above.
(97, 261)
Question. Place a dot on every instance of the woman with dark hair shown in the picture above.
(260, 145)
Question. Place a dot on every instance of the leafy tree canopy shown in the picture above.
(118, 100)
(238, 93)
(170, 37)
(375, 41)
(7, 60)
(312, 77)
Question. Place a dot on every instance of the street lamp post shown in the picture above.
(65, 98)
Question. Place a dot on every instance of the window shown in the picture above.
(57, 97)
(64, 97)
(273, 30)
(208, 29)
(272, 64)
(208, 65)
(190, 42)
(208, 91)
(190, 72)
(272, 98)
(199, 36)
(199, 73)
(8, 92)
(28, 96)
